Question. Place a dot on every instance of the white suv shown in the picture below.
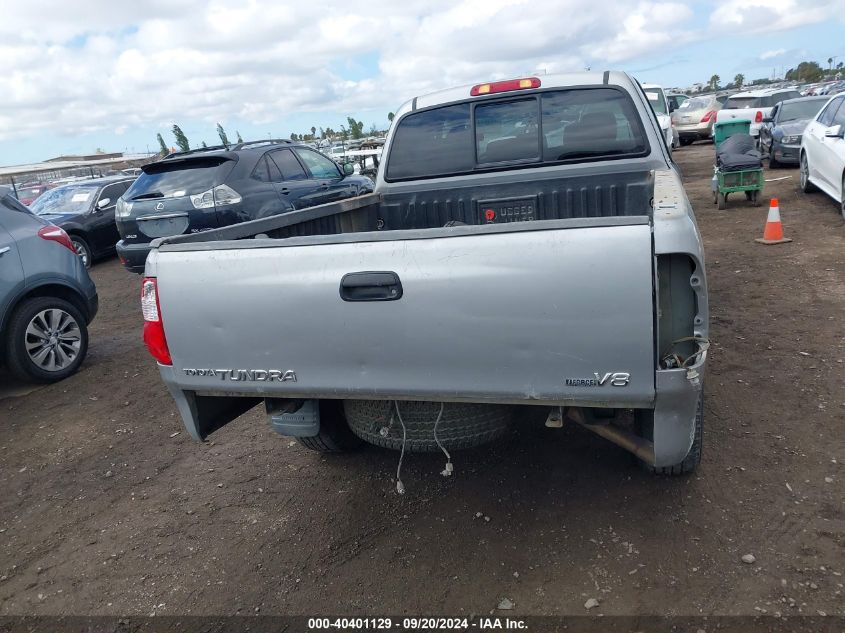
(823, 152)
(657, 99)
(753, 106)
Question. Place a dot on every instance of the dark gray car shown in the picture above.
(47, 298)
(780, 134)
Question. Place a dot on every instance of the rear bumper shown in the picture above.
(695, 130)
(675, 408)
(133, 256)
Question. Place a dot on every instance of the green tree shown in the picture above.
(203, 144)
(313, 132)
(738, 80)
(714, 82)
(222, 134)
(164, 149)
(238, 134)
(839, 65)
(356, 128)
(181, 139)
(830, 63)
(805, 71)
(390, 117)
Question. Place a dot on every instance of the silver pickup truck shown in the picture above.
(528, 244)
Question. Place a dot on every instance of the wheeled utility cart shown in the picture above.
(727, 181)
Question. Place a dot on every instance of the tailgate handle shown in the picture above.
(370, 286)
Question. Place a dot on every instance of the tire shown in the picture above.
(773, 163)
(723, 200)
(693, 458)
(843, 197)
(804, 175)
(462, 425)
(686, 141)
(34, 353)
(335, 436)
(83, 250)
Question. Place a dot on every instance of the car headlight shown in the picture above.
(123, 209)
(793, 139)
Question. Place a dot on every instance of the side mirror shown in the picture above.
(672, 108)
(348, 169)
(767, 119)
(835, 131)
(102, 203)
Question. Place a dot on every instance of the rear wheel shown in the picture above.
(686, 141)
(48, 340)
(804, 175)
(723, 200)
(335, 436)
(82, 249)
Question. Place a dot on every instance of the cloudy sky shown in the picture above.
(91, 74)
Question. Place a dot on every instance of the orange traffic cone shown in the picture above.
(773, 233)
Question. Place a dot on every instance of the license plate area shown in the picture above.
(508, 210)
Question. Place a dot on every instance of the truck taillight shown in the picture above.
(758, 118)
(53, 233)
(154, 337)
(708, 116)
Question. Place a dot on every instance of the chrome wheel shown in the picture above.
(803, 175)
(53, 339)
(82, 250)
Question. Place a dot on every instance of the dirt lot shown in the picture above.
(105, 511)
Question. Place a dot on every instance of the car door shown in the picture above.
(334, 185)
(813, 143)
(832, 150)
(102, 230)
(11, 269)
(823, 161)
(294, 185)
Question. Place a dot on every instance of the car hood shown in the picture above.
(59, 218)
(793, 127)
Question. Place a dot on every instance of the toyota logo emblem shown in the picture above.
(159, 206)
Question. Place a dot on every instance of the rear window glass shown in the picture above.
(740, 103)
(578, 124)
(182, 178)
(696, 103)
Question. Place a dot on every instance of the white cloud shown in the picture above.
(104, 66)
(771, 54)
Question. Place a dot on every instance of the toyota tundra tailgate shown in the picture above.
(557, 311)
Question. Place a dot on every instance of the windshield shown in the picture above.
(178, 179)
(655, 98)
(800, 110)
(67, 200)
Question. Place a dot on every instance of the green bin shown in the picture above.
(726, 129)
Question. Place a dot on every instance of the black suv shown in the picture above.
(189, 192)
(85, 210)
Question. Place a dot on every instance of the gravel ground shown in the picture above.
(110, 509)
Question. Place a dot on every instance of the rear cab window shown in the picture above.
(176, 179)
(518, 130)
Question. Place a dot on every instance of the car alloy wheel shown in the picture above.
(53, 339)
(82, 250)
(803, 175)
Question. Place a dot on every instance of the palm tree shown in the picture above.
(738, 80)
(714, 82)
(830, 62)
